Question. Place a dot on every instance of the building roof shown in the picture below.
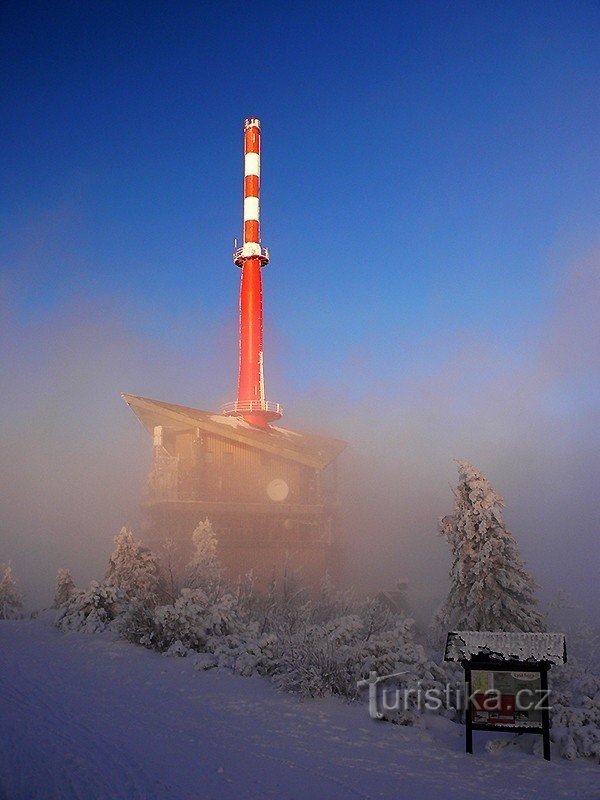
(313, 451)
(497, 646)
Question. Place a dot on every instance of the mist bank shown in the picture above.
(74, 459)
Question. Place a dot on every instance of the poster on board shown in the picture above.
(506, 698)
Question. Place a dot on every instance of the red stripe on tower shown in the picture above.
(251, 185)
(251, 403)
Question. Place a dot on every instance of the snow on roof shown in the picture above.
(285, 431)
(240, 422)
(235, 422)
(497, 646)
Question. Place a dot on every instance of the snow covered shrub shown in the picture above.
(490, 587)
(223, 626)
(138, 625)
(252, 647)
(246, 652)
(65, 588)
(331, 656)
(204, 570)
(177, 650)
(309, 646)
(205, 661)
(133, 568)
(195, 620)
(130, 587)
(11, 600)
(92, 610)
(321, 659)
(182, 621)
(575, 712)
(284, 612)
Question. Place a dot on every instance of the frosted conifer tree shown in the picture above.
(490, 587)
(133, 568)
(65, 588)
(204, 568)
(11, 600)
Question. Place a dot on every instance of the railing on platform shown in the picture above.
(250, 406)
(240, 254)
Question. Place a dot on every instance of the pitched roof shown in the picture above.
(314, 451)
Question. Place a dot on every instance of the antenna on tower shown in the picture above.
(251, 257)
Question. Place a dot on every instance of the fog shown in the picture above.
(74, 458)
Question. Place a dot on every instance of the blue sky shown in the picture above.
(430, 200)
(421, 161)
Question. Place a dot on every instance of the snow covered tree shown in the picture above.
(490, 588)
(204, 569)
(133, 568)
(11, 601)
(65, 588)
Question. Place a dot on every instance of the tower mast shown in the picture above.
(251, 257)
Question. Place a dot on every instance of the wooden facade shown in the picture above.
(269, 493)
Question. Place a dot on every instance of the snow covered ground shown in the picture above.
(89, 717)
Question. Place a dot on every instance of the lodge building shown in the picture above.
(270, 493)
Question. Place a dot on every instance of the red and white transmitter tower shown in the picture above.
(251, 257)
(270, 493)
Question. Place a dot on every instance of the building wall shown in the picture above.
(198, 475)
(210, 467)
(270, 544)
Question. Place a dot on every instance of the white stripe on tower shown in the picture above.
(250, 208)
(252, 164)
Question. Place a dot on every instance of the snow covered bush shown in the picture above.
(248, 652)
(331, 656)
(11, 600)
(311, 666)
(575, 698)
(133, 568)
(312, 647)
(490, 588)
(193, 620)
(204, 570)
(65, 588)
(127, 593)
(92, 610)
(324, 645)
(137, 624)
(196, 623)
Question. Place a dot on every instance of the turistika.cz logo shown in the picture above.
(391, 698)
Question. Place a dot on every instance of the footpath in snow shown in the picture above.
(89, 717)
